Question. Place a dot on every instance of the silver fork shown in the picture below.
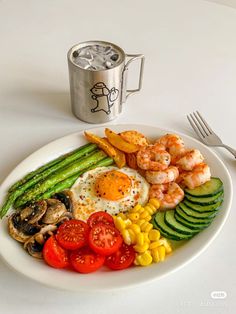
(205, 132)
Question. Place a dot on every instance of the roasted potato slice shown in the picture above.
(134, 137)
(119, 159)
(117, 141)
(101, 143)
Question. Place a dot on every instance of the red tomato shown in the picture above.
(104, 239)
(73, 234)
(54, 255)
(100, 217)
(85, 261)
(121, 259)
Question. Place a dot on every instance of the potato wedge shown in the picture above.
(119, 159)
(103, 144)
(134, 137)
(117, 141)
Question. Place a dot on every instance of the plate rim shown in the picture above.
(148, 280)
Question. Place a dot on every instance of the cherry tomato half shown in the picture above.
(104, 239)
(72, 234)
(100, 217)
(54, 255)
(121, 259)
(85, 261)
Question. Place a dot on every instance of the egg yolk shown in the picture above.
(112, 185)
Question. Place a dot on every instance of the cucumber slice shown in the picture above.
(170, 220)
(192, 213)
(202, 208)
(205, 200)
(155, 226)
(197, 227)
(190, 219)
(210, 188)
(167, 231)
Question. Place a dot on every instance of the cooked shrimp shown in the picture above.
(169, 195)
(173, 144)
(134, 137)
(164, 176)
(153, 157)
(198, 176)
(190, 159)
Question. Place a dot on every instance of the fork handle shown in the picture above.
(230, 149)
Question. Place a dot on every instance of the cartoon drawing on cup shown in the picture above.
(104, 97)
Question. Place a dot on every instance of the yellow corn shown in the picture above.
(133, 216)
(152, 207)
(155, 255)
(149, 209)
(154, 235)
(121, 215)
(140, 222)
(141, 248)
(140, 239)
(154, 245)
(144, 215)
(135, 228)
(119, 223)
(126, 236)
(166, 245)
(144, 225)
(148, 227)
(154, 202)
(137, 207)
(162, 252)
(144, 259)
(146, 238)
(132, 235)
(148, 217)
(136, 261)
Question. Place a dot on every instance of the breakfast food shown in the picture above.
(120, 200)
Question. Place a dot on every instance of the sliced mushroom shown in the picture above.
(56, 211)
(67, 198)
(33, 213)
(21, 230)
(34, 245)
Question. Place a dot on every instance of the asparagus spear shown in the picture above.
(67, 183)
(41, 176)
(61, 175)
(48, 165)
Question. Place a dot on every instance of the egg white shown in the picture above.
(88, 202)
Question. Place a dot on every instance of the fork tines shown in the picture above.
(199, 124)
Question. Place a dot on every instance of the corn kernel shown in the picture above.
(148, 217)
(133, 216)
(154, 202)
(140, 239)
(166, 245)
(127, 222)
(144, 215)
(144, 225)
(152, 207)
(126, 236)
(149, 209)
(119, 223)
(138, 207)
(135, 228)
(154, 235)
(146, 238)
(141, 248)
(122, 216)
(162, 252)
(132, 235)
(144, 259)
(154, 245)
(140, 222)
(148, 227)
(136, 261)
(155, 255)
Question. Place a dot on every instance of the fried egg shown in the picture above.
(109, 189)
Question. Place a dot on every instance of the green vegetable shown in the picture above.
(50, 164)
(12, 196)
(210, 188)
(67, 183)
(61, 175)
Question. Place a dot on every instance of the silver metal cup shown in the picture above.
(97, 95)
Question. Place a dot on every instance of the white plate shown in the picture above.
(14, 255)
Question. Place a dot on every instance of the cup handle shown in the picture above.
(134, 57)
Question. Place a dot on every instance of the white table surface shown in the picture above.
(190, 51)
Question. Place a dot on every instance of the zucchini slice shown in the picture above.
(193, 226)
(205, 200)
(210, 188)
(192, 213)
(170, 220)
(202, 208)
(197, 221)
(167, 231)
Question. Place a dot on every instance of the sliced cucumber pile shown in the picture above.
(193, 214)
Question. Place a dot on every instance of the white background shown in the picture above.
(190, 51)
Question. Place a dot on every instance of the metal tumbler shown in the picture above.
(97, 95)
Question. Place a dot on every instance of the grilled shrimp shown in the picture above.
(164, 176)
(190, 159)
(198, 176)
(134, 137)
(153, 157)
(173, 144)
(169, 195)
